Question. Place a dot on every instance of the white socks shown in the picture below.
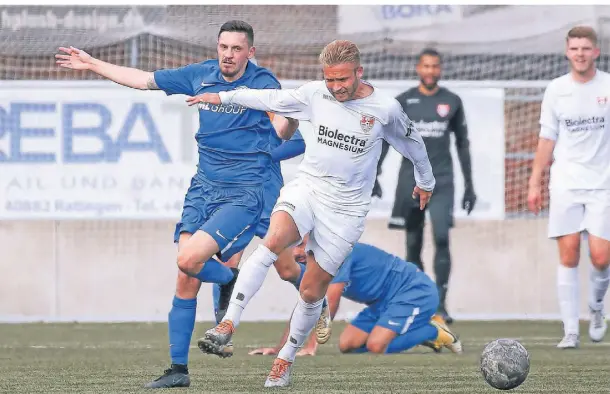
(567, 294)
(303, 320)
(598, 287)
(250, 279)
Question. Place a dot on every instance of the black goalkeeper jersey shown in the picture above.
(436, 117)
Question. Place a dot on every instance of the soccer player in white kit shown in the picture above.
(331, 194)
(575, 136)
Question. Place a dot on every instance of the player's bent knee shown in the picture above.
(347, 347)
(600, 260)
(441, 239)
(285, 273)
(348, 343)
(376, 346)
(187, 264)
(569, 250)
(311, 295)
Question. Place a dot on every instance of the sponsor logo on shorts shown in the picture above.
(293, 340)
(339, 140)
(240, 297)
(393, 323)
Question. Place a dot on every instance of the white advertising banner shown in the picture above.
(95, 150)
(380, 18)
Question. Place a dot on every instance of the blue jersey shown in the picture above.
(233, 141)
(369, 273)
(283, 150)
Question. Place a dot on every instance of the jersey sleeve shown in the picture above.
(266, 81)
(291, 103)
(401, 133)
(460, 130)
(549, 124)
(289, 149)
(178, 80)
(458, 124)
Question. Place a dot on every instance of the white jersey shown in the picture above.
(576, 116)
(341, 154)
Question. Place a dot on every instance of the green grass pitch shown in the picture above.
(120, 358)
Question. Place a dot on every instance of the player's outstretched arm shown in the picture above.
(290, 103)
(289, 149)
(77, 59)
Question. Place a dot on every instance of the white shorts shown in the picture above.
(575, 211)
(332, 235)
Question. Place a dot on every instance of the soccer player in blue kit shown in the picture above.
(401, 302)
(224, 203)
(286, 267)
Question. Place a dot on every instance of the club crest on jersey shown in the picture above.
(443, 110)
(367, 123)
(602, 101)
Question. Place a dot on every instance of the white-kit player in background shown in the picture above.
(331, 194)
(575, 136)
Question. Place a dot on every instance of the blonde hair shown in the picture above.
(339, 52)
(582, 32)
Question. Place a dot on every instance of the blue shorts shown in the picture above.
(408, 306)
(229, 214)
(271, 193)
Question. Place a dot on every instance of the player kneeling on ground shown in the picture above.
(401, 301)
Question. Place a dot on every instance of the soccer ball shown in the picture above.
(505, 364)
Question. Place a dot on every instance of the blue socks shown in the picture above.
(215, 272)
(181, 321)
(413, 338)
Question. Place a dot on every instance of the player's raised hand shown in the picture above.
(534, 199)
(264, 351)
(212, 98)
(424, 197)
(73, 58)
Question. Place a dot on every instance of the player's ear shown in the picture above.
(360, 72)
(596, 52)
(251, 52)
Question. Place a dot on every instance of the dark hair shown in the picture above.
(238, 26)
(429, 52)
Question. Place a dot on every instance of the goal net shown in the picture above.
(93, 175)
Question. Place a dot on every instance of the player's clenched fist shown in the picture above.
(211, 98)
(74, 58)
(424, 197)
